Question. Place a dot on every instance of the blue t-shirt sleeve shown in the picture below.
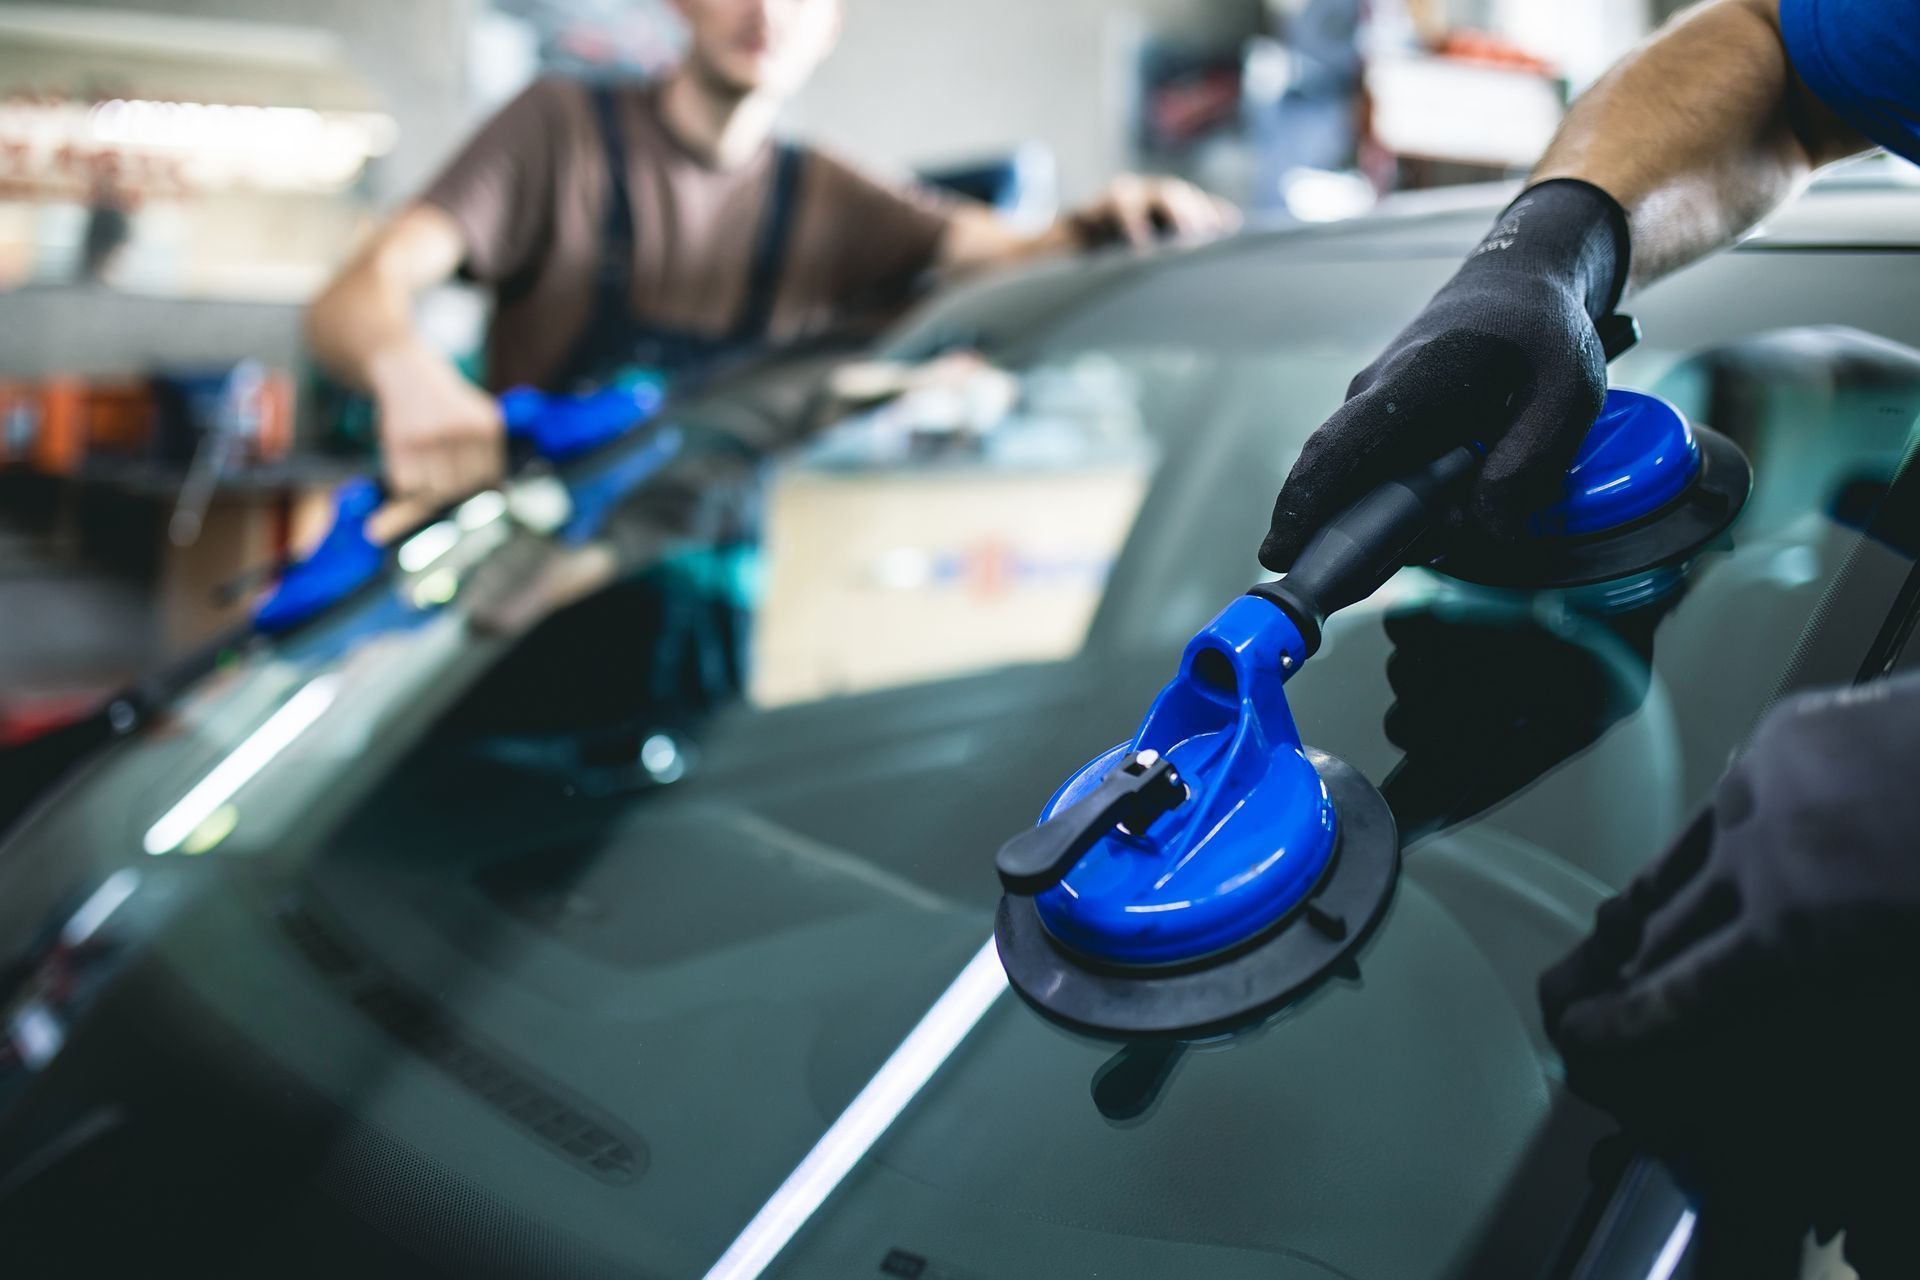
(1861, 58)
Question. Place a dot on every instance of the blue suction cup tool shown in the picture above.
(1207, 872)
(1647, 490)
(345, 561)
(559, 428)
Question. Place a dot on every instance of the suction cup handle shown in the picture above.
(1619, 334)
(1134, 795)
(1363, 546)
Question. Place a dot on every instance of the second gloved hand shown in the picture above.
(1745, 1007)
(1507, 353)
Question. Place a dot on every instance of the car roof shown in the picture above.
(1869, 203)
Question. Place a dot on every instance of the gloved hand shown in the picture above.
(1745, 1008)
(1507, 353)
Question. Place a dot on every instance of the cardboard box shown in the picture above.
(888, 577)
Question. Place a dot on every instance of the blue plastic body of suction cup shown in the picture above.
(562, 427)
(1255, 834)
(557, 427)
(345, 560)
(1638, 458)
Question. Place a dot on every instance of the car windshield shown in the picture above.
(629, 910)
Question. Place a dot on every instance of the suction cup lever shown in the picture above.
(1619, 334)
(1133, 795)
(1359, 549)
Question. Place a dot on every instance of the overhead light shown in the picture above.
(1675, 1249)
(198, 145)
(208, 835)
(481, 509)
(899, 1080)
(428, 545)
(220, 785)
(36, 1034)
(100, 904)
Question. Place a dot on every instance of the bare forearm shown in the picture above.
(1134, 210)
(364, 318)
(1698, 134)
(440, 436)
(978, 238)
(361, 322)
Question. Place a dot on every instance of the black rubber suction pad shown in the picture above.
(1234, 988)
(1672, 535)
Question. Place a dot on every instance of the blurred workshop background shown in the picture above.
(178, 177)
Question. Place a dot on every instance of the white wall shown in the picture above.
(914, 81)
(1583, 39)
(412, 53)
(922, 81)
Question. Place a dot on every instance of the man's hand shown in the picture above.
(1134, 210)
(441, 438)
(1138, 210)
(1507, 354)
(1745, 1008)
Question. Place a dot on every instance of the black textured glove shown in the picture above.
(1746, 1007)
(1506, 353)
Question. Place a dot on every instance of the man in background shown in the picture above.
(661, 227)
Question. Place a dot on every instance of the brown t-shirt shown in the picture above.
(530, 195)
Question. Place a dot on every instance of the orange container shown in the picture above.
(55, 424)
(62, 439)
(78, 417)
(118, 418)
(275, 438)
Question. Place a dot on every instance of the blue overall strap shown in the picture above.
(771, 245)
(613, 275)
(614, 335)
